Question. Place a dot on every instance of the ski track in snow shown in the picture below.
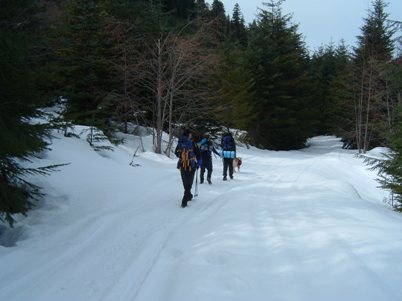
(302, 225)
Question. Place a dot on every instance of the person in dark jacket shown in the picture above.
(187, 164)
(228, 153)
(206, 148)
(197, 152)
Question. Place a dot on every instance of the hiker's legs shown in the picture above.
(183, 179)
(209, 168)
(202, 172)
(230, 168)
(191, 177)
(187, 179)
(225, 167)
(190, 182)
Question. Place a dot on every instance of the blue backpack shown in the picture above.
(228, 147)
(228, 143)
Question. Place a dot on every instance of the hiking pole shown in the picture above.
(196, 183)
(132, 160)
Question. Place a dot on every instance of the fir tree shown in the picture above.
(376, 35)
(218, 9)
(236, 88)
(330, 66)
(221, 20)
(390, 168)
(372, 57)
(340, 99)
(322, 71)
(19, 101)
(278, 61)
(238, 26)
(202, 8)
(129, 23)
(184, 9)
(83, 48)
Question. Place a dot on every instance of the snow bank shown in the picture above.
(378, 152)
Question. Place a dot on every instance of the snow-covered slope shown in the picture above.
(301, 225)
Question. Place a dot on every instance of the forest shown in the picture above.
(172, 63)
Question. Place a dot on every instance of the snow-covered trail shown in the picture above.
(290, 227)
(302, 225)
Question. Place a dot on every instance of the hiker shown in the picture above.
(228, 153)
(206, 148)
(187, 164)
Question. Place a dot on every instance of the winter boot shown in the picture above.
(209, 181)
(184, 201)
(224, 178)
(202, 180)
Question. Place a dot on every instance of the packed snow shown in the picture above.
(299, 225)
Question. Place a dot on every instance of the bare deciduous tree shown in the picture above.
(176, 71)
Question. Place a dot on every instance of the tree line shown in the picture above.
(169, 63)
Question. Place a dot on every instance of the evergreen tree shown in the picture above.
(236, 88)
(222, 22)
(83, 48)
(340, 100)
(19, 100)
(202, 8)
(184, 9)
(238, 26)
(375, 40)
(130, 25)
(372, 55)
(218, 9)
(330, 72)
(323, 69)
(279, 63)
(390, 169)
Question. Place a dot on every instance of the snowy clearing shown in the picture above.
(300, 225)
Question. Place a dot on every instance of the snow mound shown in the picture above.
(378, 152)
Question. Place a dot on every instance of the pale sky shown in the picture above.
(321, 21)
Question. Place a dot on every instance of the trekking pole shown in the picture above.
(196, 183)
(135, 153)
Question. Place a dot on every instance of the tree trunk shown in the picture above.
(367, 122)
(159, 125)
(170, 142)
(359, 113)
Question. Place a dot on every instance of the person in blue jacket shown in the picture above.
(206, 148)
(187, 164)
(228, 153)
